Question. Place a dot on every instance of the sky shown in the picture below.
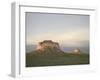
(69, 30)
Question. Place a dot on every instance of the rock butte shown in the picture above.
(48, 43)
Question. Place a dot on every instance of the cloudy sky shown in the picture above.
(67, 29)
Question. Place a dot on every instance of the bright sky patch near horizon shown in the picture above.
(66, 29)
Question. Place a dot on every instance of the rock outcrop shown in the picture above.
(48, 43)
(77, 51)
(48, 46)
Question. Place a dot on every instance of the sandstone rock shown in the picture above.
(48, 46)
(48, 43)
(77, 51)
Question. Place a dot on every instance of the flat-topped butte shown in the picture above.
(48, 43)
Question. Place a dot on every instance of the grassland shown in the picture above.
(34, 59)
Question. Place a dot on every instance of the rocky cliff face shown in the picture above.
(48, 46)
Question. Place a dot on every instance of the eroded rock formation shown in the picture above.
(48, 44)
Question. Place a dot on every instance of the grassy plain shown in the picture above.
(34, 59)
